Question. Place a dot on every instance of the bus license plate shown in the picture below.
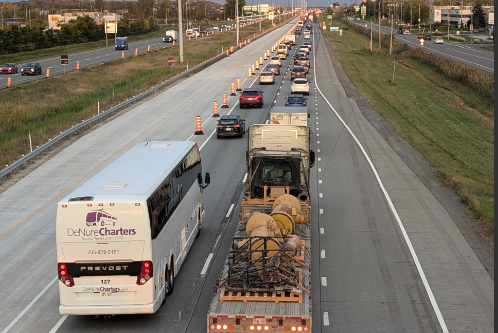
(105, 294)
(259, 320)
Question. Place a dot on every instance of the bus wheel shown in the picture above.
(165, 279)
(169, 282)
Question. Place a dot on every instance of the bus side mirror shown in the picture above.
(312, 158)
(207, 178)
(308, 115)
(199, 178)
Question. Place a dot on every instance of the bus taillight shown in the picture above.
(64, 276)
(145, 273)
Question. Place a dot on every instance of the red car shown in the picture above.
(9, 68)
(251, 96)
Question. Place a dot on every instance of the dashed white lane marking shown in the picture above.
(230, 210)
(325, 319)
(321, 210)
(317, 129)
(320, 181)
(321, 195)
(319, 169)
(206, 264)
(322, 231)
(324, 281)
(318, 142)
(318, 150)
(322, 254)
(245, 178)
(317, 134)
(319, 159)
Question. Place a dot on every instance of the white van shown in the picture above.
(282, 48)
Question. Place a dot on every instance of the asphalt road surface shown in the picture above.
(467, 54)
(386, 254)
(85, 59)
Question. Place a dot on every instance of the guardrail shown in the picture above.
(75, 129)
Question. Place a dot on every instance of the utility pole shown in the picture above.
(237, 19)
(448, 24)
(411, 17)
(418, 18)
(371, 34)
(391, 45)
(380, 25)
(259, 14)
(472, 27)
(180, 27)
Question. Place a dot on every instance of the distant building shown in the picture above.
(457, 16)
(55, 21)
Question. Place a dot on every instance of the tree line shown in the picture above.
(83, 29)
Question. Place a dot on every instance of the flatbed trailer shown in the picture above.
(265, 283)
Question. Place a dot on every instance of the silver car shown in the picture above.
(300, 85)
(276, 60)
(266, 77)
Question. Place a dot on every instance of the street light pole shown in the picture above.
(259, 14)
(237, 19)
(180, 27)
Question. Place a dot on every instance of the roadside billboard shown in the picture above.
(437, 15)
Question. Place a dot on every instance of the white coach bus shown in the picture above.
(123, 234)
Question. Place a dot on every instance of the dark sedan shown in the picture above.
(31, 68)
(231, 125)
(298, 71)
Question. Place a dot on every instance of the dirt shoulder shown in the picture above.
(477, 234)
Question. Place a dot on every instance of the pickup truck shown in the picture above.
(251, 96)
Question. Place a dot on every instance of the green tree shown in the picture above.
(478, 18)
(99, 5)
(230, 8)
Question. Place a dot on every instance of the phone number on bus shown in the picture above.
(103, 252)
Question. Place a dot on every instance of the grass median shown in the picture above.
(448, 122)
(50, 106)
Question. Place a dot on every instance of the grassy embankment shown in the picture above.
(448, 122)
(48, 107)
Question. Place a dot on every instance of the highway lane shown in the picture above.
(86, 59)
(366, 279)
(396, 258)
(471, 55)
(170, 115)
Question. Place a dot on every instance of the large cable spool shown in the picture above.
(291, 246)
(286, 212)
(258, 244)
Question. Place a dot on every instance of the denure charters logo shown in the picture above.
(100, 218)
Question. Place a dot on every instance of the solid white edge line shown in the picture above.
(393, 210)
(206, 264)
(230, 210)
(58, 325)
(19, 316)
